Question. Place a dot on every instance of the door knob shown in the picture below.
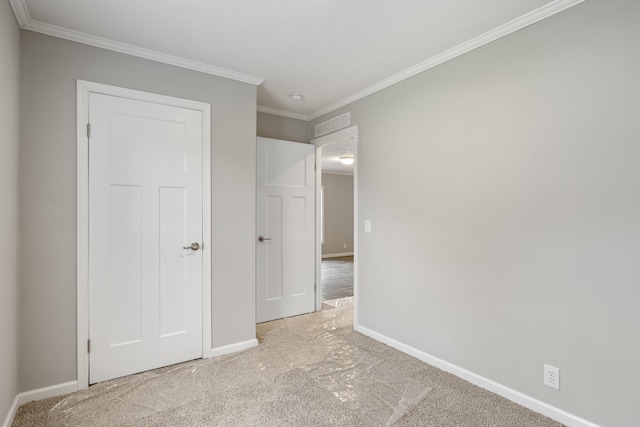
(262, 239)
(194, 246)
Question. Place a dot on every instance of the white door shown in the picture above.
(285, 254)
(145, 207)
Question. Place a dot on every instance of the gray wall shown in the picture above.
(9, 126)
(338, 213)
(50, 68)
(504, 190)
(278, 127)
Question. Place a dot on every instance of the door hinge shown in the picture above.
(88, 130)
(88, 346)
(315, 287)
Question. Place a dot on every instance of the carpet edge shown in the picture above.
(527, 401)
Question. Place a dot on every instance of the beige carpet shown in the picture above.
(310, 370)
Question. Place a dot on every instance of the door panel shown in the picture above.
(125, 235)
(285, 168)
(273, 252)
(147, 143)
(173, 272)
(285, 280)
(145, 205)
(298, 237)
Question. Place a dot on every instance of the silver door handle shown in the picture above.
(262, 239)
(194, 246)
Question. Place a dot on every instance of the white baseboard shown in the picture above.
(41, 393)
(536, 405)
(233, 348)
(504, 391)
(337, 255)
(8, 420)
(72, 386)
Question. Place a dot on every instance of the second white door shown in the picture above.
(285, 253)
(145, 211)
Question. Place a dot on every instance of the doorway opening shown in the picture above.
(337, 234)
(336, 221)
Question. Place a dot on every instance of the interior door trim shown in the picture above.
(84, 88)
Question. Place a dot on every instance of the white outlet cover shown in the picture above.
(552, 376)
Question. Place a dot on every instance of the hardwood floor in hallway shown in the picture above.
(337, 278)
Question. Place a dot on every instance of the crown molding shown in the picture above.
(21, 12)
(24, 20)
(492, 35)
(283, 113)
(26, 23)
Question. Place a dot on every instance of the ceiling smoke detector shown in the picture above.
(296, 96)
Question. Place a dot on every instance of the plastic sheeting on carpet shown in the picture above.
(365, 378)
(350, 373)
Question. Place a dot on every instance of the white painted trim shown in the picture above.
(319, 227)
(82, 234)
(73, 386)
(206, 233)
(84, 88)
(46, 392)
(356, 233)
(283, 113)
(24, 20)
(350, 132)
(233, 348)
(529, 402)
(13, 409)
(337, 173)
(21, 12)
(523, 21)
(488, 37)
(338, 255)
(39, 394)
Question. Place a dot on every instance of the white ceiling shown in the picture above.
(332, 51)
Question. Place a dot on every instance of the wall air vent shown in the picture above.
(332, 125)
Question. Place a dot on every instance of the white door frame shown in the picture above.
(84, 88)
(350, 132)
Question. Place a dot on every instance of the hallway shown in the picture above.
(337, 278)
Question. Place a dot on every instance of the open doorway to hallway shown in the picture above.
(336, 157)
(337, 225)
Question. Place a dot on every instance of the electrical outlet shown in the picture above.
(345, 246)
(552, 376)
